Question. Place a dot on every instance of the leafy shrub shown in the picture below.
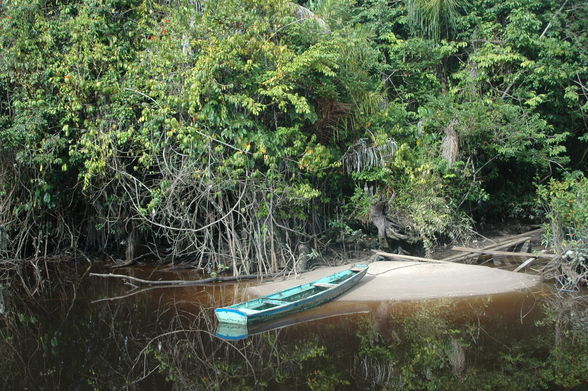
(566, 203)
(566, 229)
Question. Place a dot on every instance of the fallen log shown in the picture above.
(508, 242)
(507, 253)
(408, 257)
(495, 246)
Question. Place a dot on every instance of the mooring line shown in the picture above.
(394, 268)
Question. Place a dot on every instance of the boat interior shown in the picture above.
(297, 293)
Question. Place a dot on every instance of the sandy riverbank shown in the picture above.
(396, 280)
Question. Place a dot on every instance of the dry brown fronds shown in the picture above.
(450, 145)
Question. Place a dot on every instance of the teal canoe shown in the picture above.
(292, 300)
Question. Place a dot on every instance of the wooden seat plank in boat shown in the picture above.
(276, 302)
(324, 285)
(248, 311)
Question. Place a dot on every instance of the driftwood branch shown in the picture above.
(525, 264)
(184, 282)
(132, 292)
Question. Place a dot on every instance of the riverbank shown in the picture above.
(398, 280)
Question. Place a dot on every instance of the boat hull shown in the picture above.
(227, 315)
(291, 300)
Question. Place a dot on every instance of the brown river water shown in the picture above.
(91, 333)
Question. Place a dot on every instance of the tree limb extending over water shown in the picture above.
(185, 282)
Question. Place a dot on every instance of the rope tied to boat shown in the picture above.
(394, 268)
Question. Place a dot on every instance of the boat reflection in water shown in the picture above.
(233, 332)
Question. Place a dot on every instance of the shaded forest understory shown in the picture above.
(252, 135)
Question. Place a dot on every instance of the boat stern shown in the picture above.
(231, 315)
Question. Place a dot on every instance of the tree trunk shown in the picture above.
(386, 228)
(132, 241)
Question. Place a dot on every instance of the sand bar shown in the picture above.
(399, 280)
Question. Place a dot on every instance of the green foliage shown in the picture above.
(416, 67)
(113, 113)
(566, 204)
(566, 229)
(108, 95)
(490, 86)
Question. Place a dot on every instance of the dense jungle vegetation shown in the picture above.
(241, 133)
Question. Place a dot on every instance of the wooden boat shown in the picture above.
(291, 300)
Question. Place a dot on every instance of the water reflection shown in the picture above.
(165, 339)
(324, 313)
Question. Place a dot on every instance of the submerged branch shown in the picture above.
(185, 282)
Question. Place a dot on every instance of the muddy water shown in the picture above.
(93, 333)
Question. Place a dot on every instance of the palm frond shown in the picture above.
(303, 13)
(430, 17)
(364, 155)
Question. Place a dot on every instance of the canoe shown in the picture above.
(292, 300)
